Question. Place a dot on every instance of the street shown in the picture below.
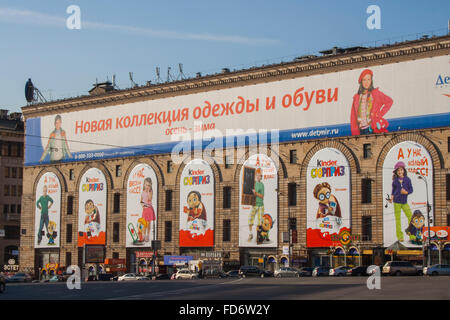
(324, 288)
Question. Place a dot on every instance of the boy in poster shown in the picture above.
(43, 205)
(258, 208)
(57, 144)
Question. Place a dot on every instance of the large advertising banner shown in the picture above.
(142, 206)
(407, 177)
(197, 205)
(351, 102)
(258, 203)
(328, 198)
(48, 212)
(92, 195)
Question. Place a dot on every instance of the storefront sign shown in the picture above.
(94, 254)
(113, 261)
(47, 212)
(92, 208)
(177, 260)
(405, 194)
(328, 196)
(345, 237)
(197, 205)
(211, 254)
(258, 204)
(144, 254)
(142, 206)
(440, 233)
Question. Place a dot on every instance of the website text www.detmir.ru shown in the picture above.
(314, 133)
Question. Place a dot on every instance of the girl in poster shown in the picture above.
(369, 107)
(401, 188)
(148, 214)
(57, 144)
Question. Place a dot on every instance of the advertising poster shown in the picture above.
(142, 206)
(328, 196)
(258, 204)
(197, 205)
(92, 208)
(405, 194)
(48, 212)
(351, 102)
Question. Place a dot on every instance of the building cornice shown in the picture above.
(324, 64)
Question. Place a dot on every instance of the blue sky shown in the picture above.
(117, 37)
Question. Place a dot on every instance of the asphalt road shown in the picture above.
(324, 288)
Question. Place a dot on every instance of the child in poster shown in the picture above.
(92, 219)
(369, 107)
(44, 203)
(328, 217)
(57, 144)
(415, 228)
(148, 213)
(401, 188)
(196, 211)
(258, 208)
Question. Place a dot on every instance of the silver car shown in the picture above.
(130, 277)
(186, 274)
(286, 272)
(437, 270)
(339, 271)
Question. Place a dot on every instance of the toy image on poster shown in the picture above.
(57, 145)
(258, 205)
(328, 198)
(92, 208)
(369, 107)
(142, 205)
(48, 211)
(405, 193)
(197, 205)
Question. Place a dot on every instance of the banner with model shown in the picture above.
(92, 195)
(407, 188)
(197, 205)
(258, 202)
(142, 206)
(352, 102)
(48, 212)
(328, 198)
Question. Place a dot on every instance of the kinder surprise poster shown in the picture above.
(328, 198)
(92, 208)
(48, 212)
(197, 205)
(258, 204)
(405, 194)
(142, 206)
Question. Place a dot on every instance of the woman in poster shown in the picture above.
(148, 214)
(369, 107)
(57, 144)
(401, 188)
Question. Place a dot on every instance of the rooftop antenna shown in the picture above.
(133, 84)
(158, 75)
(169, 76)
(32, 94)
(181, 75)
(114, 82)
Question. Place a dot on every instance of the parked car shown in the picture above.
(437, 270)
(105, 276)
(2, 284)
(357, 271)
(252, 271)
(268, 273)
(129, 277)
(233, 274)
(54, 279)
(306, 272)
(399, 268)
(19, 277)
(339, 271)
(162, 276)
(321, 271)
(186, 274)
(371, 269)
(286, 272)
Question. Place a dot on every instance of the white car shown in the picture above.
(130, 277)
(186, 274)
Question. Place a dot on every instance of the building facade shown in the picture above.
(11, 171)
(312, 177)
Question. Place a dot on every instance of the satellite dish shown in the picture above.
(29, 91)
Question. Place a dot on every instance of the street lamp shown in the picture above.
(421, 177)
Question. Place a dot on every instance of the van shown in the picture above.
(399, 268)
